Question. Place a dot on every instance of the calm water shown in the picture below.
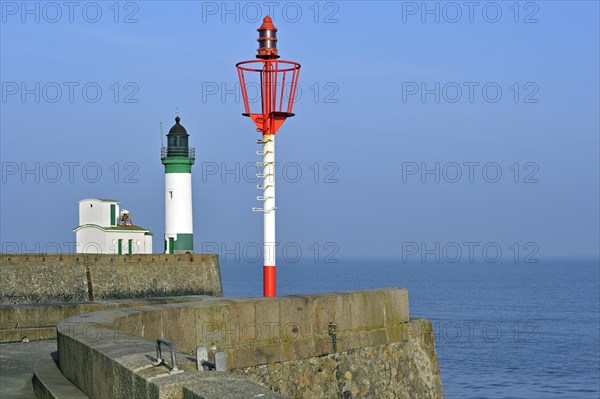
(502, 331)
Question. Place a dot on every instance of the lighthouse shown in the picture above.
(178, 158)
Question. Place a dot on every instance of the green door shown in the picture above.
(120, 248)
(171, 245)
(130, 247)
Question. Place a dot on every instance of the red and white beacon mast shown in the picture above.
(277, 80)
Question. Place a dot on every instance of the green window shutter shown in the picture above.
(130, 247)
(120, 244)
(113, 214)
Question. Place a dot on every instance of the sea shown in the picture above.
(502, 330)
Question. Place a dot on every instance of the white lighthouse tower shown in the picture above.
(178, 159)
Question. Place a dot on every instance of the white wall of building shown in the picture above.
(147, 244)
(92, 239)
(94, 211)
(98, 233)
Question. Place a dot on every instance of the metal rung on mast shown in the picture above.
(261, 187)
(263, 210)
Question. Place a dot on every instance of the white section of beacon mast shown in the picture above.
(269, 250)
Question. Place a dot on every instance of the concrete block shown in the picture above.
(40, 315)
(364, 338)
(397, 333)
(223, 385)
(179, 325)
(35, 334)
(266, 311)
(304, 348)
(80, 358)
(170, 386)
(212, 324)
(64, 345)
(90, 307)
(49, 383)
(396, 306)
(367, 309)
(72, 309)
(12, 335)
(127, 381)
(229, 359)
(122, 382)
(241, 324)
(269, 353)
(9, 317)
(297, 317)
(130, 325)
(323, 346)
(425, 329)
(348, 341)
(104, 318)
(242, 357)
(324, 307)
(102, 370)
(287, 351)
(141, 387)
(152, 322)
(378, 337)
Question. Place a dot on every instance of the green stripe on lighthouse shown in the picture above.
(184, 243)
(178, 164)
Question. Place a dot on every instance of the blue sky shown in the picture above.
(500, 102)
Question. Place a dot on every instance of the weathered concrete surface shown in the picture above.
(49, 383)
(276, 341)
(35, 322)
(77, 277)
(404, 369)
(214, 385)
(126, 370)
(16, 367)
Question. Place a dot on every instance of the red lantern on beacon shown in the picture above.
(275, 81)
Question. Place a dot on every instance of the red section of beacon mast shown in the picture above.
(277, 80)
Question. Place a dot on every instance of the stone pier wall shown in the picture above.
(404, 369)
(282, 345)
(78, 277)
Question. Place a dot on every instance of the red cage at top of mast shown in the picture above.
(278, 80)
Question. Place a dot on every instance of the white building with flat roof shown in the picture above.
(104, 229)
